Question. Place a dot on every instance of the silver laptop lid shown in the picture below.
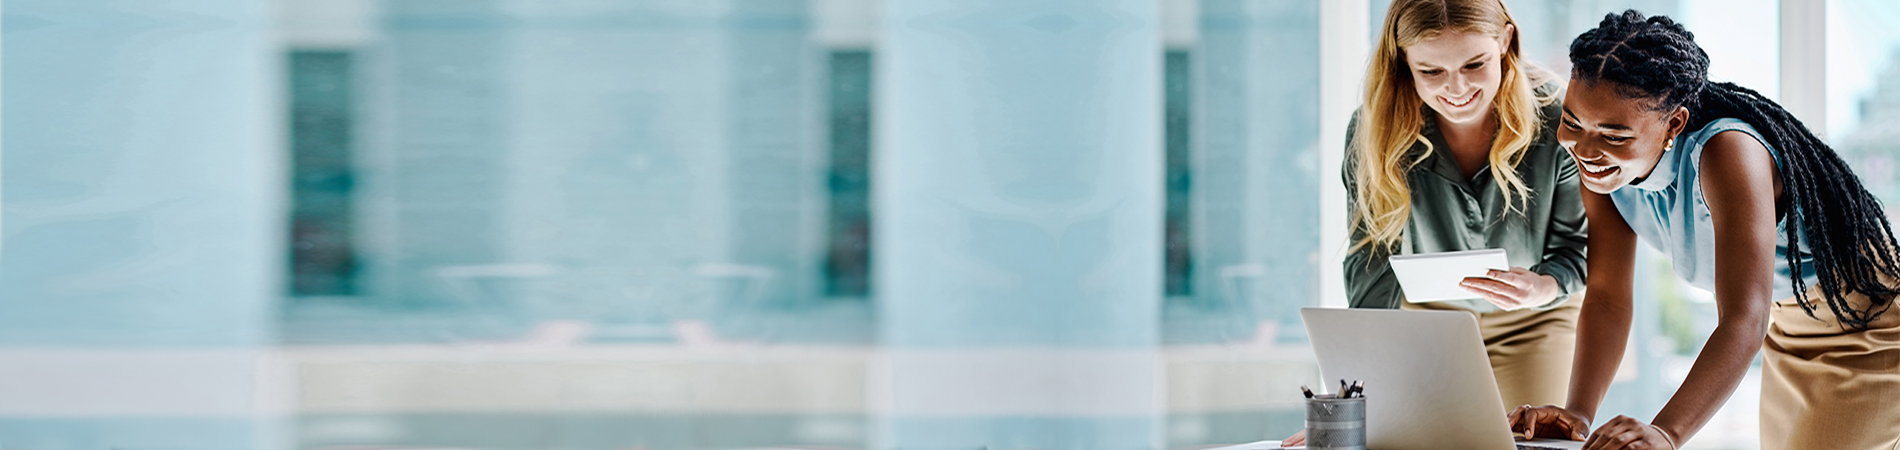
(1428, 382)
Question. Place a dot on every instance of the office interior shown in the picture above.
(741, 224)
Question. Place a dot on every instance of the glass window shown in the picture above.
(1248, 198)
(643, 170)
(323, 260)
(1243, 225)
(1863, 93)
(1178, 98)
(848, 258)
(649, 224)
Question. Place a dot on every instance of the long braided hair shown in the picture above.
(1848, 234)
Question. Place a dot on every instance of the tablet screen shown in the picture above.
(1434, 277)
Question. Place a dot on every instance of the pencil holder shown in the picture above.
(1335, 423)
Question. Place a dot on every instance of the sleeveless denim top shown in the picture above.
(1667, 211)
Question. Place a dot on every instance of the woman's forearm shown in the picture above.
(1602, 333)
(1717, 371)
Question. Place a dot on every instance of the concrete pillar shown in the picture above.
(144, 210)
(143, 185)
(1018, 203)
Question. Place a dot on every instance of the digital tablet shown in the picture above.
(1434, 277)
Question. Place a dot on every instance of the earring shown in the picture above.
(1671, 145)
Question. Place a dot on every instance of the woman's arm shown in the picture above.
(1739, 184)
(1604, 324)
(1370, 282)
(1560, 272)
(1568, 234)
(1602, 327)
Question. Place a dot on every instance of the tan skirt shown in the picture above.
(1530, 350)
(1823, 387)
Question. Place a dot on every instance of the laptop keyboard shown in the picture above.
(1524, 446)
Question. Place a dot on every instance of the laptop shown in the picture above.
(1428, 382)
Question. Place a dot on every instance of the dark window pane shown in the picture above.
(1179, 101)
(848, 256)
(322, 259)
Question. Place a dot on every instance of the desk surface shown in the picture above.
(1275, 445)
(1261, 445)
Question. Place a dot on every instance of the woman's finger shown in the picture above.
(1579, 430)
(1295, 441)
(1508, 277)
(1595, 441)
(1545, 419)
(1570, 426)
(1516, 417)
(1610, 436)
(1488, 285)
(1541, 418)
(1499, 300)
(1561, 423)
(1503, 298)
(1531, 417)
(1626, 438)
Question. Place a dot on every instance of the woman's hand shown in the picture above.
(1548, 422)
(1624, 433)
(1298, 439)
(1516, 289)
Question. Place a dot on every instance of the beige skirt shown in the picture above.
(1825, 387)
(1530, 350)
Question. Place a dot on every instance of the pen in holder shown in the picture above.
(1334, 423)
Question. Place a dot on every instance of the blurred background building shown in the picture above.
(687, 224)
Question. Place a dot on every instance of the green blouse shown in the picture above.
(1452, 213)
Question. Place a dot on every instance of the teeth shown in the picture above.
(1595, 169)
(1463, 101)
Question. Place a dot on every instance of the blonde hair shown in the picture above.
(1392, 117)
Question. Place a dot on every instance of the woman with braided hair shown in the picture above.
(1778, 216)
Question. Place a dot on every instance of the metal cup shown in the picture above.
(1334, 423)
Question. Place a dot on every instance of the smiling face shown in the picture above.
(1616, 140)
(1458, 73)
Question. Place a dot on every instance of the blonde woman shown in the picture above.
(1454, 148)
